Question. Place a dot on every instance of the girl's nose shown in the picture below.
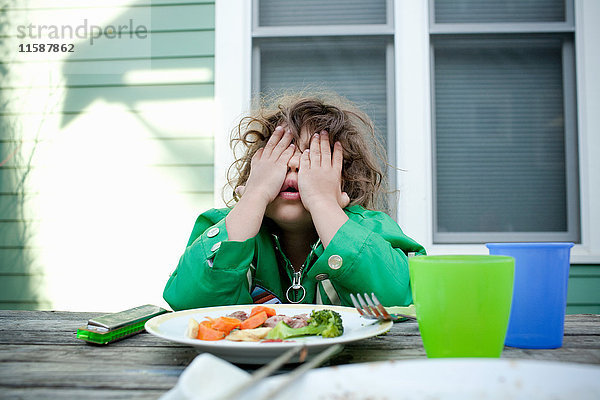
(294, 162)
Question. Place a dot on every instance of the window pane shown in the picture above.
(354, 68)
(319, 12)
(499, 11)
(500, 136)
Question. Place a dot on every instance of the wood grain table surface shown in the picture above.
(40, 356)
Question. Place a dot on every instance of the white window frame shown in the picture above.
(477, 31)
(233, 58)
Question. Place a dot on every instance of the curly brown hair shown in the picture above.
(362, 176)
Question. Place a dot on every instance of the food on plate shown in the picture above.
(254, 321)
(212, 329)
(248, 335)
(226, 324)
(264, 323)
(241, 315)
(268, 310)
(192, 329)
(207, 332)
(297, 321)
(325, 323)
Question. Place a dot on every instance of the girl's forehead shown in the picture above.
(304, 139)
(305, 134)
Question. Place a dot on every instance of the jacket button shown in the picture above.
(215, 247)
(212, 232)
(321, 277)
(335, 261)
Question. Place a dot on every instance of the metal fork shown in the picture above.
(373, 309)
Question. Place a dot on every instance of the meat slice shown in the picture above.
(298, 321)
(275, 319)
(241, 315)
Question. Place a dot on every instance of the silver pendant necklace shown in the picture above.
(297, 276)
(296, 285)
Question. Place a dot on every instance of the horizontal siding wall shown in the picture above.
(584, 290)
(106, 152)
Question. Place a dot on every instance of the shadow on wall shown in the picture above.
(143, 60)
(20, 281)
(137, 58)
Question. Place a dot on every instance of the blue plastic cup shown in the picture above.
(537, 315)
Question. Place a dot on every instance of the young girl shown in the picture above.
(305, 226)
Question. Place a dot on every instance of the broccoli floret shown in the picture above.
(326, 323)
(329, 321)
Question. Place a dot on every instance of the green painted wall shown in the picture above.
(584, 290)
(180, 37)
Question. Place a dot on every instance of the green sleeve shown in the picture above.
(373, 254)
(212, 270)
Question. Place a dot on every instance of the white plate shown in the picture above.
(209, 378)
(172, 327)
(447, 379)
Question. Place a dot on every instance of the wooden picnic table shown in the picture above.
(40, 357)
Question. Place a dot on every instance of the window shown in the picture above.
(426, 38)
(341, 45)
(504, 121)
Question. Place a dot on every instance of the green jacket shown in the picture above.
(368, 253)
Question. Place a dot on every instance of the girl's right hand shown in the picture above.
(269, 166)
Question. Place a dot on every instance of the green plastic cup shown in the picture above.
(462, 303)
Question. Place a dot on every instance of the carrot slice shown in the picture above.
(207, 333)
(254, 321)
(270, 311)
(226, 324)
(208, 323)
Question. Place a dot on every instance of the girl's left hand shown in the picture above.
(320, 174)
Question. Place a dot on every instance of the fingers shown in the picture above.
(315, 150)
(344, 200)
(257, 155)
(287, 154)
(320, 152)
(278, 142)
(240, 190)
(305, 160)
(338, 156)
(283, 145)
(279, 147)
(325, 149)
(273, 141)
(337, 163)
